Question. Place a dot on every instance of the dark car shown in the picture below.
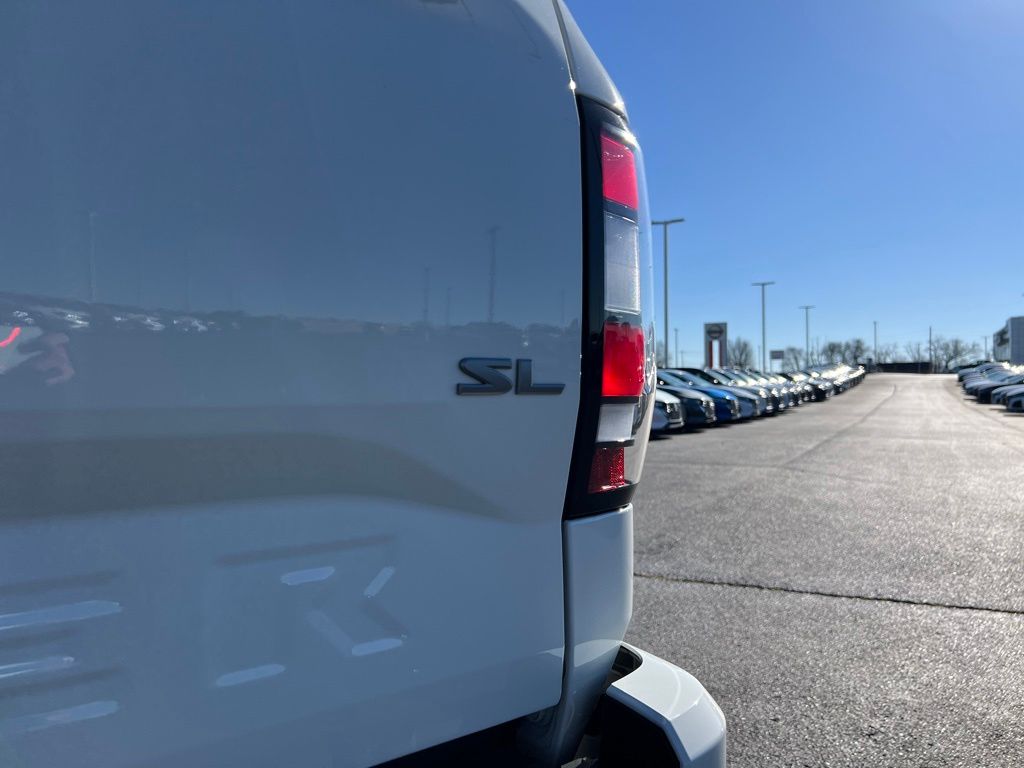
(821, 388)
(789, 394)
(699, 409)
(983, 392)
(801, 383)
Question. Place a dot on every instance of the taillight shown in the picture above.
(623, 369)
(618, 172)
(617, 362)
(608, 470)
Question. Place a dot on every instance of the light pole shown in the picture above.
(665, 224)
(876, 343)
(807, 331)
(675, 357)
(764, 333)
(493, 232)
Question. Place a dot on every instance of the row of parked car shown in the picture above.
(695, 397)
(996, 383)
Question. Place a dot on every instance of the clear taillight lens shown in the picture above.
(621, 264)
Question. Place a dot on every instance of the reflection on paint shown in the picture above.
(49, 664)
(379, 581)
(250, 675)
(376, 646)
(58, 614)
(26, 723)
(294, 578)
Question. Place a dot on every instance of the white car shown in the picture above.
(233, 531)
(669, 414)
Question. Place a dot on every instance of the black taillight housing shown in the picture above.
(617, 355)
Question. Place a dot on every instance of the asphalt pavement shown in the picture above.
(847, 579)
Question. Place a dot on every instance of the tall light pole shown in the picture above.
(807, 331)
(764, 333)
(665, 224)
(493, 232)
(931, 352)
(876, 343)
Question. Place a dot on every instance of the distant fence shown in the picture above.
(922, 367)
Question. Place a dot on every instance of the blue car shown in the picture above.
(727, 406)
(699, 409)
(761, 396)
(750, 405)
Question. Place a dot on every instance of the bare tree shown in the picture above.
(948, 352)
(915, 351)
(793, 359)
(831, 352)
(854, 351)
(741, 354)
(887, 353)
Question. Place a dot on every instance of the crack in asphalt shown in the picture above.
(818, 593)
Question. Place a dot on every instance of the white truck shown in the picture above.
(326, 376)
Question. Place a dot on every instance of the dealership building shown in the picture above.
(1008, 341)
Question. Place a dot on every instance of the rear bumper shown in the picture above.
(656, 714)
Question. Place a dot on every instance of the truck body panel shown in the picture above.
(246, 518)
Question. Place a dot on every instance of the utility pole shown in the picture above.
(426, 296)
(876, 343)
(931, 352)
(676, 356)
(764, 332)
(92, 256)
(665, 224)
(807, 332)
(493, 232)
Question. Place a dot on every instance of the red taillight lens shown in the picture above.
(618, 173)
(623, 374)
(608, 470)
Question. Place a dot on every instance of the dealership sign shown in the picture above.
(716, 338)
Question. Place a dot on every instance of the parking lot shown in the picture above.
(846, 579)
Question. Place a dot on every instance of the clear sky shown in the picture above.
(867, 156)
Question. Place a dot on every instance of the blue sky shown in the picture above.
(867, 156)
